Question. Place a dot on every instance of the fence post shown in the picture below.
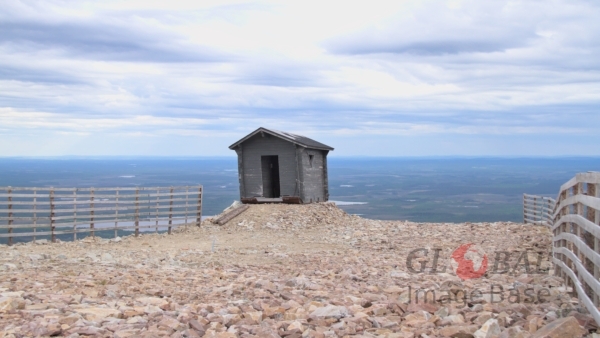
(535, 207)
(10, 216)
(567, 227)
(52, 214)
(186, 205)
(596, 242)
(34, 214)
(157, 205)
(563, 228)
(556, 232)
(137, 212)
(116, 212)
(588, 239)
(92, 232)
(524, 208)
(75, 214)
(545, 212)
(594, 216)
(579, 232)
(199, 207)
(171, 211)
(575, 231)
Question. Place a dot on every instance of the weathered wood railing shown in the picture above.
(538, 209)
(39, 212)
(576, 244)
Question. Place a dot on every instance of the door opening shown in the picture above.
(270, 176)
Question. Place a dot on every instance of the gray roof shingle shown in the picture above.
(297, 139)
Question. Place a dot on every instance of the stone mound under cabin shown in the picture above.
(280, 167)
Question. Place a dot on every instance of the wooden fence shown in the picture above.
(538, 209)
(576, 244)
(48, 212)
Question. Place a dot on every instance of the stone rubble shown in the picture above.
(286, 271)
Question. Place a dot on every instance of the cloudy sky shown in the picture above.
(383, 78)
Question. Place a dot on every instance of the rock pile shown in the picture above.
(289, 271)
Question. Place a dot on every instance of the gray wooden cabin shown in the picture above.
(275, 166)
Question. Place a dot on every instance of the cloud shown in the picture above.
(119, 37)
(185, 72)
(435, 29)
(113, 41)
(438, 28)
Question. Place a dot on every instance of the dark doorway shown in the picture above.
(270, 176)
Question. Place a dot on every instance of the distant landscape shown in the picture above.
(415, 189)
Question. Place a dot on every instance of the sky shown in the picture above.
(369, 78)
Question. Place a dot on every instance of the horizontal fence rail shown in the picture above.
(576, 244)
(30, 213)
(538, 210)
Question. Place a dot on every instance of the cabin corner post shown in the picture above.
(240, 155)
(297, 183)
(325, 176)
(300, 173)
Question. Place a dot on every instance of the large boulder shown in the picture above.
(330, 311)
(567, 327)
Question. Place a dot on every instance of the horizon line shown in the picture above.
(104, 157)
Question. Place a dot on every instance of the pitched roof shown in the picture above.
(297, 139)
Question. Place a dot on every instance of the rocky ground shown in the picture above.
(289, 271)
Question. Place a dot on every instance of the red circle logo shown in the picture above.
(469, 261)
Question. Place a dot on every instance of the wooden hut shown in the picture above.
(276, 166)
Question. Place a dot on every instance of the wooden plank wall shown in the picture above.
(30, 213)
(269, 145)
(576, 242)
(313, 175)
(538, 210)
